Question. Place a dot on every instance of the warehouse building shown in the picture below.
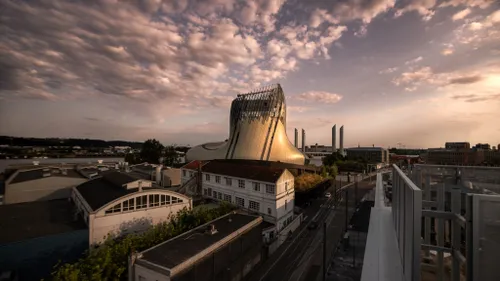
(226, 248)
(36, 235)
(117, 203)
(41, 184)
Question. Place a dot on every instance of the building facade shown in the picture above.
(117, 204)
(257, 131)
(266, 191)
(369, 154)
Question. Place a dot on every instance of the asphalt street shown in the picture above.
(294, 257)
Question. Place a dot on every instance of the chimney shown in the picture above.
(296, 139)
(341, 139)
(334, 138)
(303, 141)
(213, 230)
(158, 176)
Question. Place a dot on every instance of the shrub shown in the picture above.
(307, 181)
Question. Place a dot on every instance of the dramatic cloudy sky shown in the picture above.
(416, 72)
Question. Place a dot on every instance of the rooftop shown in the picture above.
(176, 251)
(36, 219)
(374, 148)
(144, 167)
(100, 191)
(193, 165)
(245, 171)
(43, 172)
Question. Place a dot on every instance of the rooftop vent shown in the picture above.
(99, 161)
(212, 230)
(36, 163)
(46, 175)
(46, 169)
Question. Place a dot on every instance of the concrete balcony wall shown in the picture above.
(382, 261)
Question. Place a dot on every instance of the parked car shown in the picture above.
(328, 195)
(312, 225)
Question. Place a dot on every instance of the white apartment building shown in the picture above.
(267, 191)
(118, 203)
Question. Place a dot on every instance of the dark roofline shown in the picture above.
(213, 247)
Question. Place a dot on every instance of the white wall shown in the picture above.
(173, 175)
(102, 224)
(148, 274)
(275, 202)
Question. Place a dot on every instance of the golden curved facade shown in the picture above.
(257, 131)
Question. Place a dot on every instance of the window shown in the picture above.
(128, 205)
(183, 173)
(115, 209)
(229, 181)
(268, 211)
(270, 188)
(207, 177)
(141, 202)
(254, 205)
(176, 200)
(285, 204)
(256, 186)
(154, 200)
(215, 194)
(209, 192)
(217, 179)
(227, 198)
(163, 200)
(205, 192)
(241, 183)
(240, 201)
(190, 174)
(219, 195)
(286, 186)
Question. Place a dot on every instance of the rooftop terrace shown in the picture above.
(442, 224)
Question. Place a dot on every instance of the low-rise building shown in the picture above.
(41, 184)
(369, 154)
(118, 203)
(226, 248)
(267, 191)
(163, 176)
(37, 235)
(460, 157)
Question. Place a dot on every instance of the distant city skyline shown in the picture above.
(419, 73)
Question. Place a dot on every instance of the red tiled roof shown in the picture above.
(193, 165)
(245, 171)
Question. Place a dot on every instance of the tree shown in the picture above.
(132, 158)
(170, 156)
(332, 171)
(332, 159)
(151, 151)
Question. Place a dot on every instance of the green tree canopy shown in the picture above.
(151, 151)
(332, 159)
(170, 156)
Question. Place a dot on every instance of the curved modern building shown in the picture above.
(257, 131)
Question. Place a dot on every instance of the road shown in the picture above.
(292, 258)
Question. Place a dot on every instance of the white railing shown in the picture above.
(407, 217)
